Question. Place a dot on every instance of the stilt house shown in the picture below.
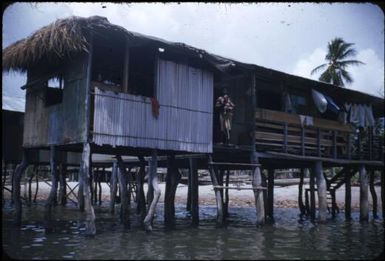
(91, 82)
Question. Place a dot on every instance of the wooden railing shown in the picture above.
(283, 132)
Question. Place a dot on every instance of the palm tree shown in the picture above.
(335, 73)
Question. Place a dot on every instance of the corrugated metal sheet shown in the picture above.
(185, 95)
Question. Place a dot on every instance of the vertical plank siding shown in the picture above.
(185, 95)
(61, 123)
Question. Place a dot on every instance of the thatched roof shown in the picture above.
(68, 37)
(62, 38)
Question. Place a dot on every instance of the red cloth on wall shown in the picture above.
(155, 107)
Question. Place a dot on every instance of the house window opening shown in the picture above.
(107, 65)
(141, 80)
(269, 100)
(54, 90)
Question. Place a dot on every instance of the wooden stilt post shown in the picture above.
(30, 185)
(100, 188)
(91, 182)
(95, 185)
(373, 193)
(85, 173)
(220, 216)
(312, 195)
(150, 188)
(383, 193)
(226, 196)
(270, 196)
(63, 186)
(124, 193)
(258, 194)
(364, 204)
(81, 189)
(300, 193)
(114, 187)
(220, 175)
(194, 192)
(153, 179)
(172, 179)
(16, 187)
(321, 189)
(189, 188)
(348, 195)
(141, 200)
(264, 184)
(54, 178)
(37, 183)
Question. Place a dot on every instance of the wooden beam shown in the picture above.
(63, 186)
(114, 186)
(285, 137)
(258, 194)
(334, 144)
(383, 193)
(226, 196)
(240, 188)
(293, 119)
(270, 195)
(348, 195)
(373, 193)
(85, 173)
(153, 179)
(349, 147)
(172, 180)
(54, 178)
(300, 193)
(318, 142)
(303, 141)
(280, 155)
(321, 189)
(220, 216)
(312, 195)
(124, 193)
(189, 188)
(20, 169)
(194, 192)
(364, 204)
(140, 198)
(234, 164)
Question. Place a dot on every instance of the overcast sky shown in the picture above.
(289, 37)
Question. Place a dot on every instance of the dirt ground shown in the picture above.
(284, 197)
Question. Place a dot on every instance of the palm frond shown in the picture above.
(345, 63)
(347, 53)
(318, 68)
(326, 76)
(346, 76)
(342, 48)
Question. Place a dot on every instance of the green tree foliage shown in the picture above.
(338, 59)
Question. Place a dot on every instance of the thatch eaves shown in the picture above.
(70, 36)
(51, 43)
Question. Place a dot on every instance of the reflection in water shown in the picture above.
(288, 238)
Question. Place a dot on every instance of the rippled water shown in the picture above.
(288, 238)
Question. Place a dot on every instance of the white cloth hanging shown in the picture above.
(360, 114)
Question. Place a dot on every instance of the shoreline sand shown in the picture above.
(284, 197)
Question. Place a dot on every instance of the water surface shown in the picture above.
(288, 238)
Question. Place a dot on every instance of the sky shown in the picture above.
(288, 37)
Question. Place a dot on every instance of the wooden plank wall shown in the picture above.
(61, 123)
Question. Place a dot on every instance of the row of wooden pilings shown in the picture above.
(264, 208)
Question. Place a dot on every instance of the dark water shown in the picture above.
(288, 238)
